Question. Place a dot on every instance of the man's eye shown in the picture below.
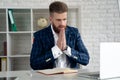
(58, 20)
(65, 19)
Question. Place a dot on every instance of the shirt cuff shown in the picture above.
(67, 51)
(56, 51)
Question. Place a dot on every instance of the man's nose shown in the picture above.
(62, 22)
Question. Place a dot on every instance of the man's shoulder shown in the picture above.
(42, 31)
(72, 29)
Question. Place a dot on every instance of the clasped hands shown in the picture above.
(61, 42)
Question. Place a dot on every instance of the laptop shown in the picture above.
(109, 62)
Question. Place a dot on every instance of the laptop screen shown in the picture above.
(109, 60)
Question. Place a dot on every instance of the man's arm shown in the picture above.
(80, 53)
(39, 58)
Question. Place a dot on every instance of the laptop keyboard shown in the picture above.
(93, 75)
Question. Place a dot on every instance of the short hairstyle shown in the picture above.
(58, 7)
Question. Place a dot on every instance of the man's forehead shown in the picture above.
(60, 15)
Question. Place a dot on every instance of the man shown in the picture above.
(58, 45)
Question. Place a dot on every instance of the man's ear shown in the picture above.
(50, 18)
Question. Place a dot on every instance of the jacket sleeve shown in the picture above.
(40, 59)
(79, 53)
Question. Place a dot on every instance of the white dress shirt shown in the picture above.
(60, 56)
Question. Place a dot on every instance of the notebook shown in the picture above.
(109, 62)
(57, 71)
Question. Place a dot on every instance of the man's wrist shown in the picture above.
(56, 51)
(65, 48)
(67, 51)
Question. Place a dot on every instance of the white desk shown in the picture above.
(32, 75)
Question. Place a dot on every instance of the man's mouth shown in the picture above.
(61, 27)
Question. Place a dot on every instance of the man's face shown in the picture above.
(58, 21)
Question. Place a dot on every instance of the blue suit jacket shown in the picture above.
(41, 54)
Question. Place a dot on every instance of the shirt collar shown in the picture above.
(54, 33)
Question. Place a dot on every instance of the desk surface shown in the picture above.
(33, 75)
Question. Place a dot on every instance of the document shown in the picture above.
(57, 71)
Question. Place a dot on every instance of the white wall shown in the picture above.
(99, 20)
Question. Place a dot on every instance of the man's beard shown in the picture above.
(57, 29)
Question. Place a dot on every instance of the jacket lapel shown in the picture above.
(68, 36)
(50, 36)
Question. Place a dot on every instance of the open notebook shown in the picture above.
(109, 62)
(57, 71)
